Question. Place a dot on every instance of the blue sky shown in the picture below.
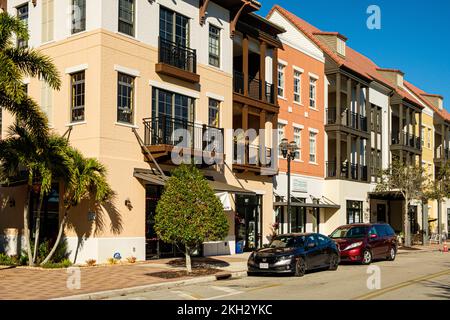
(414, 35)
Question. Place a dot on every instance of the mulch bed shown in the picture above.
(196, 272)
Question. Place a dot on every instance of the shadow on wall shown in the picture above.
(95, 222)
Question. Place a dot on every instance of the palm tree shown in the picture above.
(88, 181)
(21, 153)
(16, 63)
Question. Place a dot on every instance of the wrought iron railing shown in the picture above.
(177, 55)
(409, 140)
(254, 88)
(348, 118)
(251, 154)
(165, 130)
(347, 172)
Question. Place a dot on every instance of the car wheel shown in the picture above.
(392, 254)
(300, 267)
(334, 262)
(367, 257)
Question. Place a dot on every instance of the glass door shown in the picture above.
(248, 226)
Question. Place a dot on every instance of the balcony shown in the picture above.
(162, 134)
(349, 119)
(409, 141)
(442, 155)
(254, 88)
(251, 157)
(177, 61)
(352, 172)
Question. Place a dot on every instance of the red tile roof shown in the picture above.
(353, 60)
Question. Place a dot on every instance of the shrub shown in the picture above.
(65, 263)
(131, 259)
(112, 261)
(6, 260)
(91, 262)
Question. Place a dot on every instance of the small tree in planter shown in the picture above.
(189, 213)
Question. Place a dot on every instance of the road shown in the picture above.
(422, 276)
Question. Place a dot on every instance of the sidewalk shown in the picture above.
(28, 283)
(419, 248)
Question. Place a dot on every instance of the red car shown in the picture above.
(366, 242)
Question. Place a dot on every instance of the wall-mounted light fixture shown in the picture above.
(34, 2)
(92, 216)
(128, 204)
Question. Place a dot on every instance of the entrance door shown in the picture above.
(248, 226)
(298, 219)
(414, 226)
(381, 212)
(155, 248)
(49, 214)
(448, 222)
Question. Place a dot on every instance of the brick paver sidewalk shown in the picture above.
(27, 283)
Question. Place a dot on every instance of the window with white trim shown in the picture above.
(281, 79)
(297, 86)
(312, 93)
(47, 20)
(22, 15)
(429, 139)
(78, 16)
(213, 113)
(214, 46)
(125, 98)
(281, 128)
(126, 17)
(298, 142)
(78, 83)
(312, 147)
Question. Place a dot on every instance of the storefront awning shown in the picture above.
(156, 179)
(308, 205)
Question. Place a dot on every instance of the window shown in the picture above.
(429, 139)
(213, 113)
(312, 147)
(422, 138)
(78, 96)
(214, 46)
(47, 101)
(47, 20)
(281, 68)
(280, 135)
(172, 105)
(297, 86)
(125, 98)
(173, 27)
(354, 211)
(312, 92)
(22, 15)
(298, 142)
(126, 17)
(78, 16)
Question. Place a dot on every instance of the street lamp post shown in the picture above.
(288, 150)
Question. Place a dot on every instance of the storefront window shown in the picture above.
(248, 224)
(354, 212)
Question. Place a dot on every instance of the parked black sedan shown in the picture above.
(295, 254)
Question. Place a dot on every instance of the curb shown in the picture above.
(419, 251)
(165, 285)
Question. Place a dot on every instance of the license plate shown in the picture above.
(264, 266)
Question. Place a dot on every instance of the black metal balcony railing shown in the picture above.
(409, 140)
(348, 118)
(177, 55)
(348, 172)
(254, 88)
(161, 131)
(251, 154)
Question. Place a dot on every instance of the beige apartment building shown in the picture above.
(133, 71)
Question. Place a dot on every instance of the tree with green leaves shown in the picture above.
(189, 213)
(88, 180)
(22, 153)
(439, 190)
(16, 64)
(410, 182)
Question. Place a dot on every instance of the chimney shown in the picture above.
(435, 99)
(3, 5)
(334, 40)
(396, 76)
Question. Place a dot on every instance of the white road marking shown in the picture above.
(230, 292)
(184, 295)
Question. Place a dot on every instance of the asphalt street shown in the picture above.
(423, 276)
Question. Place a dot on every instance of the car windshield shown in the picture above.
(349, 232)
(287, 242)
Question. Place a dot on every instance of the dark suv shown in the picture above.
(366, 242)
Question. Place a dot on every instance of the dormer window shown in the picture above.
(341, 46)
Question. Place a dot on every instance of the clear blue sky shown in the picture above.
(414, 35)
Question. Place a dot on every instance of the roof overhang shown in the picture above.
(308, 205)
